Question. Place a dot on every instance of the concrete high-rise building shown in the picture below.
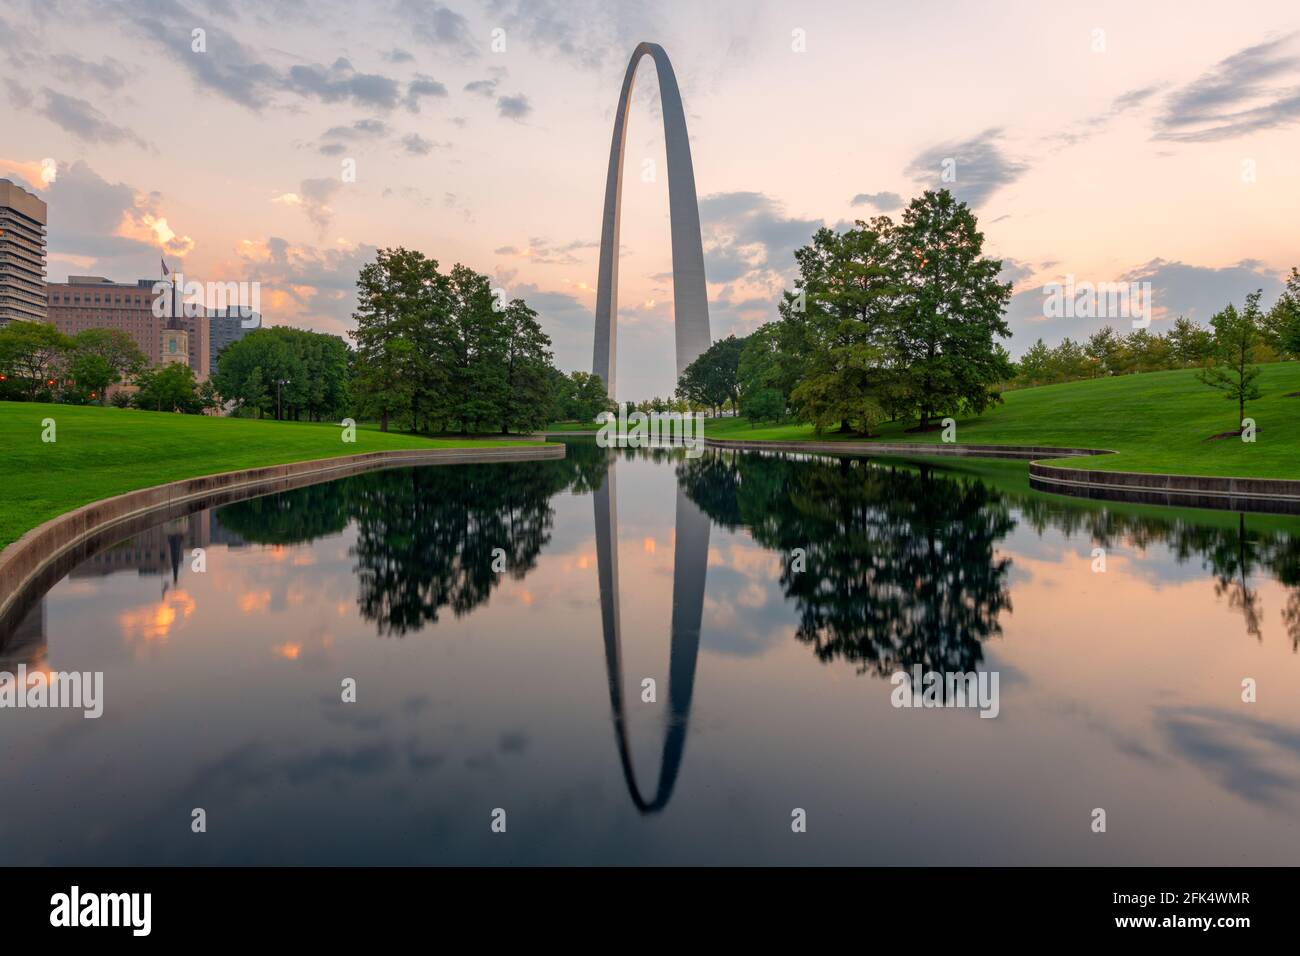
(226, 327)
(93, 302)
(22, 254)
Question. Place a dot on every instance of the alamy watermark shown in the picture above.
(640, 430)
(922, 688)
(39, 689)
(191, 299)
(75, 908)
(1098, 300)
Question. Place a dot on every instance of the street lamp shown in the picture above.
(278, 383)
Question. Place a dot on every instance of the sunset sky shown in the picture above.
(1146, 141)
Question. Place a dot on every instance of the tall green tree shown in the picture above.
(578, 396)
(1148, 353)
(1106, 349)
(263, 371)
(99, 358)
(442, 351)
(31, 352)
(763, 405)
(765, 367)
(1035, 366)
(286, 371)
(838, 320)
(1236, 337)
(327, 362)
(91, 374)
(712, 379)
(397, 296)
(1189, 343)
(169, 388)
(949, 312)
(1280, 327)
(526, 352)
(470, 338)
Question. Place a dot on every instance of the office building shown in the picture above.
(93, 302)
(22, 255)
(226, 327)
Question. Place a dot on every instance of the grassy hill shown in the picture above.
(1156, 422)
(101, 452)
(572, 427)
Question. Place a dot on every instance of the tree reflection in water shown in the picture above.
(426, 537)
(900, 562)
(1227, 548)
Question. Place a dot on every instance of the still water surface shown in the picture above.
(523, 690)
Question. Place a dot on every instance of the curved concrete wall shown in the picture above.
(690, 299)
(37, 560)
(923, 449)
(1273, 495)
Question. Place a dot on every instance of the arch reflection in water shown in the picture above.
(1120, 686)
(690, 566)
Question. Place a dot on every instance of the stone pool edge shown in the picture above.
(1267, 495)
(25, 561)
(912, 449)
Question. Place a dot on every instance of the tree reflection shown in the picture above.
(899, 561)
(898, 564)
(1286, 566)
(290, 517)
(1235, 548)
(426, 538)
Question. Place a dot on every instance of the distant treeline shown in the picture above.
(1276, 337)
(434, 352)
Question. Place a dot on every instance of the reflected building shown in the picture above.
(27, 643)
(219, 534)
(161, 550)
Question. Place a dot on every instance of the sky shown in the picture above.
(1151, 142)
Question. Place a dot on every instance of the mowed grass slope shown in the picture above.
(572, 427)
(101, 452)
(1156, 422)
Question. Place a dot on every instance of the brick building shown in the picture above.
(92, 302)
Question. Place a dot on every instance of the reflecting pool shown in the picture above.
(644, 658)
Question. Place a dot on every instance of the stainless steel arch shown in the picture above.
(690, 298)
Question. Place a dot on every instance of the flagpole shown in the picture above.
(172, 304)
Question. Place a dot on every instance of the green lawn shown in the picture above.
(572, 427)
(101, 452)
(1156, 422)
